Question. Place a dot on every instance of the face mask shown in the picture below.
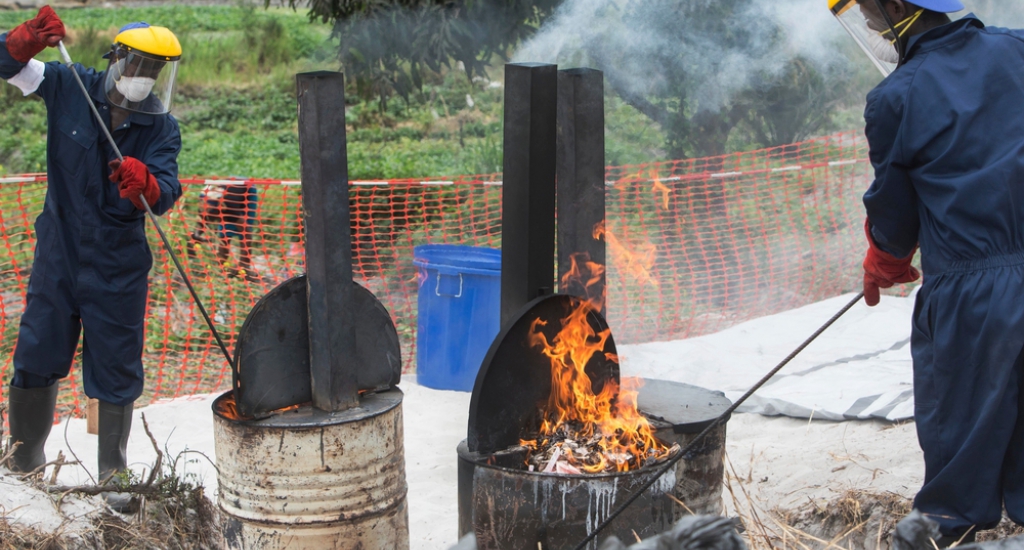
(883, 49)
(135, 88)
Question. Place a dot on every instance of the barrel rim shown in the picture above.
(370, 405)
(481, 461)
(434, 256)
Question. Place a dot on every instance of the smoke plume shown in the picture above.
(721, 46)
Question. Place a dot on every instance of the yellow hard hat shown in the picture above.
(839, 6)
(143, 67)
(143, 38)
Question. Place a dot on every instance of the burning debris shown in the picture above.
(566, 452)
(587, 426)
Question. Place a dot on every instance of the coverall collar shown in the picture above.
(942, 35)
(100, 99)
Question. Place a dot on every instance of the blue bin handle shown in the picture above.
(437, 287)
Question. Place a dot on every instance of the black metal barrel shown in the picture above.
(509, 507)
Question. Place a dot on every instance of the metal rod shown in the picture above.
(149, 211)
(721, 418)
(188, 283)
(78, 79)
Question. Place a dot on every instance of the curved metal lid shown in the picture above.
(689, 409)
(515, 377)
(272, 353)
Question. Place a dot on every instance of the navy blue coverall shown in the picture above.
(92, 260)
(946, 136)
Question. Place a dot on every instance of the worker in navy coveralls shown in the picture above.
(91, 259)
(946, 137)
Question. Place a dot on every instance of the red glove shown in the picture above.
(34, 35)
(883, 270)
(134, 179)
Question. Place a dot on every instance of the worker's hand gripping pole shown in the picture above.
(149, 211)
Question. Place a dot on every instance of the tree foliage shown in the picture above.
(707, 69)
(388, 47)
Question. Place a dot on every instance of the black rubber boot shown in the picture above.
(115, 423)
(30, 413)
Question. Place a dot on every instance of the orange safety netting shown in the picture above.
(694, 246)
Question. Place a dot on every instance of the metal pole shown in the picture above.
(528, 190)
(325, 207)
(580, 175)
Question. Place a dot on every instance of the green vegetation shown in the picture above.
(236, 101)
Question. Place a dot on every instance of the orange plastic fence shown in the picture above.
(694, 246)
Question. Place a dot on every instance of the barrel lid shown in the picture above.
(689, 409)
(515, 377)
(271, 369)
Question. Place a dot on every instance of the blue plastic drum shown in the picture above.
(459, 312)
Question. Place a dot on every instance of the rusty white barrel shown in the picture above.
(310, 479)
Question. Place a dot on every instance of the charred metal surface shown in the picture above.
(515, 509)
(325, 208)
(701, 472)
(689, 409)
(515, 377)
(467, 465)
(678, 412)
(313, 479)
(580, 173)
(528, 190)
(272, 352)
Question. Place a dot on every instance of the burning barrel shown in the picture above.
(533, 472)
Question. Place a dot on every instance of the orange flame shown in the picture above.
(625, 437)
(228, 408)
(660, 187)
(636, 260)
(586, 277)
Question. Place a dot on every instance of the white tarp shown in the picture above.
(858, 368)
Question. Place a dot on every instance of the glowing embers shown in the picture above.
(228, 408)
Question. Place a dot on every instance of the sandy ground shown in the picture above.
(783, 462)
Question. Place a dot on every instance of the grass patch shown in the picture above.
(236, 101)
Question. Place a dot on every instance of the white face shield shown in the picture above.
(869, 27)
(139, 82)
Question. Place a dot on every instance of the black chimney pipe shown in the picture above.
(580, 174)
(325, 209)
(528, 189)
